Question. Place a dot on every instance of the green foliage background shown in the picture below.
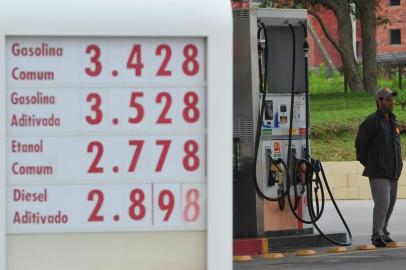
(335, 115)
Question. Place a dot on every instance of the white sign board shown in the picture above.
(85, 157)
(115, 135)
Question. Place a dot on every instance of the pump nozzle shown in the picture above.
(269, 152)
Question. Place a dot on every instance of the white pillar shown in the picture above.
(354, 29)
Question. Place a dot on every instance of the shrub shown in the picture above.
(320, 81)
(401, 99)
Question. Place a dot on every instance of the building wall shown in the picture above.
(315, 54)
(330, 22)
(397, 20)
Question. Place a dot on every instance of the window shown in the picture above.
(395, 36)
(394, 2)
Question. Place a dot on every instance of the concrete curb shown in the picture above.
(347, 183)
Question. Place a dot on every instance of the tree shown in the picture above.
(366, 10)
(342, 11)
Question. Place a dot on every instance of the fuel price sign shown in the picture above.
(106, 134)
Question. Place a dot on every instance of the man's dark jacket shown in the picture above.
(378, 147)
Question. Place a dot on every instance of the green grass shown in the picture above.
(340, 148)
(336, 115)
(328, 148)
(340, 107)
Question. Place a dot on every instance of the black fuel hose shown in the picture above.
(292, 102)
(312, 166)
(306, 65)
(309, 184)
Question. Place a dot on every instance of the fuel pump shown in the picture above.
(279, 149)
(261, 124)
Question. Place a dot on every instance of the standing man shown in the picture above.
(378, 149)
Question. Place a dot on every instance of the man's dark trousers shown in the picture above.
(384, 193)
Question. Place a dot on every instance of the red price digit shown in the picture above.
(137, 106)
(191, 211)
(165, 148)
(94, 97)
(166, 202)
(137, 152)
(99, 153)
(137, 196)
(191, 160)
(162, 119)
(168, 53)
(134, 60)
(190, 66)
(100, 198)
(95, 60)
(191, 112)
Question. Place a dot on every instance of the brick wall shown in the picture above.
(315, 55)
(397, 20)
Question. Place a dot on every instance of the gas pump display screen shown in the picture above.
(283, 108)
(105, 134)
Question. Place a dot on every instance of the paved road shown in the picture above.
(394, 259)
(358, 215)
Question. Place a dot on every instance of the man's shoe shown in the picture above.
(387, 239)
(379, 242)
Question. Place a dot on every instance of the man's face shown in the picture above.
(386, 104)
